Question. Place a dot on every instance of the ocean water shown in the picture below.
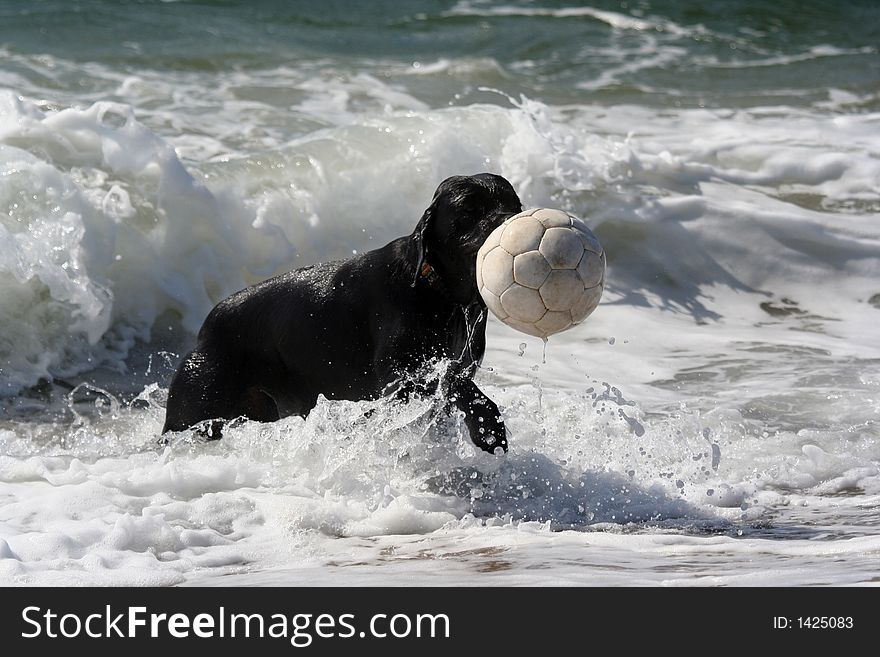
(714, 422)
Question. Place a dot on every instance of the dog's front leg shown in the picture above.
(481, 415)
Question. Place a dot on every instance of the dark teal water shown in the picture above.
(712, 53)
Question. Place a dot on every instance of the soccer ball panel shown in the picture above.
(588, 239)
(493, 302)
(591, 268)
(523, 304)
(491, 242)
(553, 322)
(562, 248)
(562, 289)
(530, 269)
(586, 304)
(521, 234)
(524, 327)
(497, 270)
(591, 243)
(552, 218)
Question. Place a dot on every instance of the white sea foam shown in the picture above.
(299, 495)
(816, 52)
(611, 18)
(134, 233)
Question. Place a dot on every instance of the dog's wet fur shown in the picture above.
(356, 329)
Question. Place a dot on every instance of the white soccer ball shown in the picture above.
(541, 271)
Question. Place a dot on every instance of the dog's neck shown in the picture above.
(430, 275)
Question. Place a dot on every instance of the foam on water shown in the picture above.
(133, 233)
(101, 503)
(723, 400)
(611, 18)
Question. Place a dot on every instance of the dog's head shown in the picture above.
(464, 211)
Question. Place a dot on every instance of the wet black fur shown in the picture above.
(355, 329)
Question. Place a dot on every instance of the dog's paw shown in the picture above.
(488, 431)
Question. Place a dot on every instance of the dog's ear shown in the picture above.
(417, 242)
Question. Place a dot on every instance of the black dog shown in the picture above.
(356, 329)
